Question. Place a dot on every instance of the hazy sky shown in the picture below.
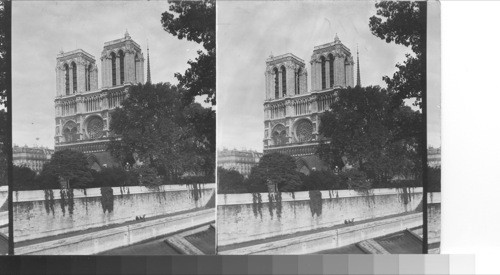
(41, 29)
(248, 32)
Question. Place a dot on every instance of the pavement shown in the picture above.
(403, 242)
(304, 233)
(201, 238)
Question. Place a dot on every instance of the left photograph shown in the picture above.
(113, 114)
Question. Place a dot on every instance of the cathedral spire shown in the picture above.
(358, 77)
(336, 40)
(149, 70)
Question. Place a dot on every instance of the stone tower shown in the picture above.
(76, 72)
(122, 62)
(83, 110)
(291, 111)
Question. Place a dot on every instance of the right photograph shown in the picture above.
(328, 127)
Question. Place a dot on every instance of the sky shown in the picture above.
(249, 32)
(41, 29)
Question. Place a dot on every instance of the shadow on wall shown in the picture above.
(52, 212)
(244, 217)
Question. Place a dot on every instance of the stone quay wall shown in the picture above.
(434, 217)
(44, 213)
(248, 217)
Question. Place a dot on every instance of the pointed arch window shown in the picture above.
(113, 68)
(73, 68)
(330, 60)
(88, 71)
(136, 60)
(276, 83)
(297, 81)
(323, 75)
(283, 79)
(86, 78)
(122, 66)
(66, 78)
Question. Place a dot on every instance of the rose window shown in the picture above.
(95, 128)
(304, 130)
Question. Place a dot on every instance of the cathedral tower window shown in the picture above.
(283, 79)
(122, 66)
(113, 68)
(66, 69)
(297, 82)
(323, 75)
(330, 60)
(87, 77)
(276, 83)
(73, 68)
(136, 73)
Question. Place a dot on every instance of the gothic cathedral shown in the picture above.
(291, 111)
(83, 110)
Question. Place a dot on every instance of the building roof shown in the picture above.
(64, 55)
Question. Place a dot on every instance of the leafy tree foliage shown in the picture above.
(23, 178)
(69, 166)
(230, 181)
(154, 125)
(278, 168)
(195, 21)
(322, 180)
(434, 179)
(364, 131)
(3, 167)
(111, 176)
(404, 22)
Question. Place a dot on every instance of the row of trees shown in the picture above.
(71, 168)
(280, 169)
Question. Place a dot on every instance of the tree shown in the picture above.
(404, 22)
(362, 130)
(23, 178)
(161, 132)
(278, 169)
(434, 179)
(230, 181)
(322, 180)
(195, 21)
(67, 166)
(109, 176)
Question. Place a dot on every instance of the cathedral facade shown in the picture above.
(83, 110)
(291, 111)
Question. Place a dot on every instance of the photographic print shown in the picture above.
(321, 127)
(114, 128)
